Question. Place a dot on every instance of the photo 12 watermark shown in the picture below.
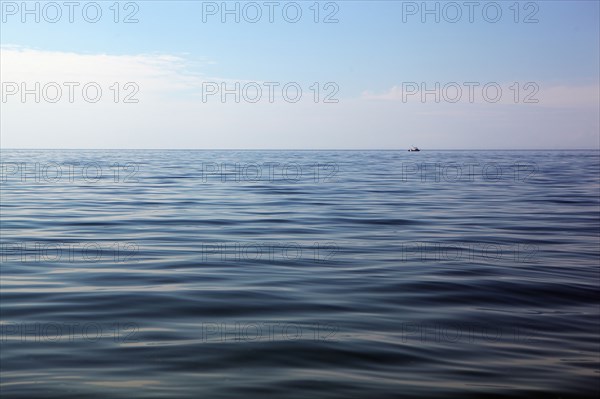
(469, 92)
(268, 172)
(253, 12)
(269, 92)
(454, 172)
(72, 172)
(470, 252)
(53, 332)
(70, 92)
(452, 12)
(317, 252)
(267, 331)
(56, 12)
(69, 252)
(465, 333)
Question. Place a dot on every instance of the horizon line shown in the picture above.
(302, 149)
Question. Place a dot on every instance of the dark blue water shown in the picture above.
(291, 274)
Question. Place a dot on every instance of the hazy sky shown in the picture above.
(500, 74)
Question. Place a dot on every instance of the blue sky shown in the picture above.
(368, 54)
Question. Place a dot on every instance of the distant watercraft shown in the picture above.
(413, 149)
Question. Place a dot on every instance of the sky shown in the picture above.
(300, 75)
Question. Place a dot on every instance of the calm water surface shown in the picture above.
(299, 274)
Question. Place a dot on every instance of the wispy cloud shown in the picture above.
(154, 73)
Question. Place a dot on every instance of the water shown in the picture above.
(369, 275)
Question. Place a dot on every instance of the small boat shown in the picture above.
(413, 149)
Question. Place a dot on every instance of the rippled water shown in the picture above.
(299, 274)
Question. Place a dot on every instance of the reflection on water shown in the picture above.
(327, 274)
